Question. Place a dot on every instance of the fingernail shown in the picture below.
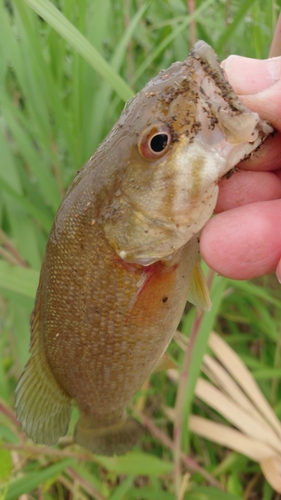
(278, 272)
(250, 76)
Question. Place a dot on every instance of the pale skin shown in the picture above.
(243, 240)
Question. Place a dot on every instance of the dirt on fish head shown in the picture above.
(174, 141)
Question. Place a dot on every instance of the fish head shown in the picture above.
(179, 136)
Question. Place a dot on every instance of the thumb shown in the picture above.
(258, 84)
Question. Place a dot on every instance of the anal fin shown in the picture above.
(115, 439)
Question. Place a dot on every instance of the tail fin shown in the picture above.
(115, 439)
(43, 408)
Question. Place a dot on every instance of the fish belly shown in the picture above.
(106, 328)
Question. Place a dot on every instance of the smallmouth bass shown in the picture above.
(122, 255)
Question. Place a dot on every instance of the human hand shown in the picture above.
(244, 240)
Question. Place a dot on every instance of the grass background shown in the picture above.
(66, 69)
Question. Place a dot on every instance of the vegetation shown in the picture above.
(66, 69)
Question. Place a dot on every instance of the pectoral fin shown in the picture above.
(198, 293)
(164, 364)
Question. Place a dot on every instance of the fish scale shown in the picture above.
(122, 255)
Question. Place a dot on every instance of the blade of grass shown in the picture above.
(122, 489)
(252, 289)
(136, 464)
(166, 42)
(28, 207)
(55, 18)
(198, 350)
(41, 94)
(31, 480)
(74, 475)
(275, 49)
(221, 378)
(241, 374)
(20, 338)
(228, 32)
(150, 494)
(18, 279)
(95, 132)
(236, 415)
(31, 155)
(201, 492)
(190, 372)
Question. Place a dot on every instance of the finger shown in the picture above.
(266, 157)
(247, 187)
(258, 84)
(245, 242)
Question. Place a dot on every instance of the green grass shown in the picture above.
(66, 68)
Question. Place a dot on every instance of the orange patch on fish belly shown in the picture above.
(155, 287)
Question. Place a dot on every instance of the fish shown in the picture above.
(122, 255)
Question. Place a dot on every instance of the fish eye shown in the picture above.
(154, 142)
(159, 142)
